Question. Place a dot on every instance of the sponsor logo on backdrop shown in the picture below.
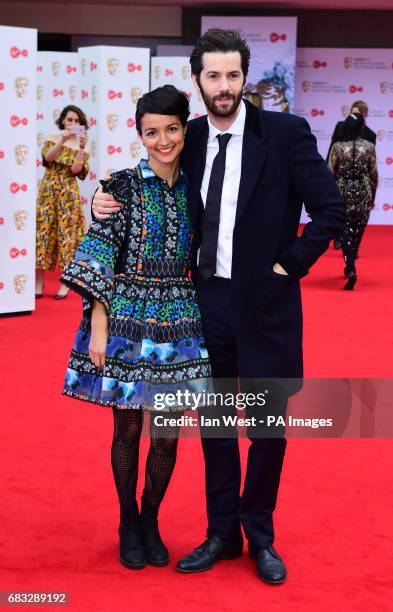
(157, 72)
(20, 218)
(112, 122)
(389, 161)
(317, 64)
(15, 187)
(355, 89)
(135, 149)
(92, 121)
(2, 86)
(40, 69)
(134, 67)
(40, 116)
(15, 52)
(20, 281)
(21, 86)
(15, 121)
(93, 148)
(168, 72)
(112, 95)
(274, 37)
(2, 154)
(348, 61)
(73, 92)
(136, 93)
(83, 66)
(130, 122)
(70, 69)
(14, 253)
(186, 72)
(113, 66)
(40, 139)
(386, 207)
(40, 92)
(93, 66)
(21, 151)
(317, 113)
(1, 220)
(94, 92)
(381, 134)
(111, 149)
(92, 176)
(57, 93)
(306, 86)
(84, 94)
(56, 114)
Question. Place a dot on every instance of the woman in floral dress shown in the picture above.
(60, 218)
(353, 162)
(140, 338)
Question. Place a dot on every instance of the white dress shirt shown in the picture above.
(230, 191)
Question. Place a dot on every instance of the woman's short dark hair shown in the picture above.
(75, 109)
(219, 41)
(166, 100)
(353, 127)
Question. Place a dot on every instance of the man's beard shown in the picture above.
(211, 105)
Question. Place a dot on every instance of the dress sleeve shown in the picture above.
(91, 273)
(333, 159)
(85, 169)
(48, 144)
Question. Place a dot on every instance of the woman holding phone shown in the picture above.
(60, 218)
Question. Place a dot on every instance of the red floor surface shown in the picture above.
(58, 518)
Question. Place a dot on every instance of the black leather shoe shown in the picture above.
(131, 551)
(270, 566)
(205, 556)
(156, 552)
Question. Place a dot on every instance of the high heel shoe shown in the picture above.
(40, 295)
(351, 282)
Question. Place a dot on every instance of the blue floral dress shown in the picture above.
(136, 263)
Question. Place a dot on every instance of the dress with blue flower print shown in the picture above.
(137, 264)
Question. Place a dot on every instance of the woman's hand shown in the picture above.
(65, 135)
(82, 140)
(99, 335)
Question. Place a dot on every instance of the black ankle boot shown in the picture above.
(155, 550)
(131, 549)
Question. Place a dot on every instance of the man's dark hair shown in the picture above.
(166, 100)
(75, 109)
(219, 41)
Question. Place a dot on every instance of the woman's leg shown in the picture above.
(160, 463)
(348, 248)
(39, 282)
(124, 457)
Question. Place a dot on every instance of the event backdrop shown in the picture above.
(17, 168)
(272, 41)
(57, 86)
(328, 81)
(176, 71)
(111, 81)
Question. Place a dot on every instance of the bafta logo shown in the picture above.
(136, 93)
(135, 149)
(56, 66)
(21, 85)
(20, 281)
(72, 92)
(94, 93)
(21, 151)
(113, 66)
(112, 121)
(20, 218)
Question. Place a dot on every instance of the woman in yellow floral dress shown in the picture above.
(60, 218)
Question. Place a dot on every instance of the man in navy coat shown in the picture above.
(249, 173)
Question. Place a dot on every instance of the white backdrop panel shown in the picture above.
(176, 71)
(111, 82)
(17, 168)
(328, 81)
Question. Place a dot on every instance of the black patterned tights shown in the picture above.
(160, 461)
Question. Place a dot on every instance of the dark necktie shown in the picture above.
(211, 215)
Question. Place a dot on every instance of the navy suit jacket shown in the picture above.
(280, 169)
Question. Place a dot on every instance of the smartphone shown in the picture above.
(77, 129)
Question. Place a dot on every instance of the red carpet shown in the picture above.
(59, 516)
